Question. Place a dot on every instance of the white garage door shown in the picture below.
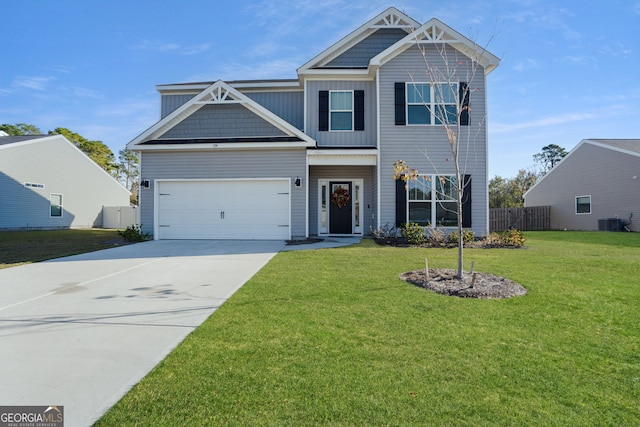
(223, 209)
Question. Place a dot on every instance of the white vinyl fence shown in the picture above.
(119, 216)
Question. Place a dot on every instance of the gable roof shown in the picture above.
(14, 139)
(435, 31)
(625, 146)
(219, 93)
(390, 18)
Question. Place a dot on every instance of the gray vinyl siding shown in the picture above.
(366, 173)
(410, 143)
(222, 121)
(288, 105)
(360, 54)
(225, 165)
(84, 186)
(168, 103)
(605, 175)
(366, 138)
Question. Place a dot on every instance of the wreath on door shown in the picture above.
(340, 197)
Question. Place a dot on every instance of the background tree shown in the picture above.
(96, 150)
(549, 157)
(509, 192)
(443, 76)
(20, 129)
(128, 172)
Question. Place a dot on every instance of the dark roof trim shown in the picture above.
(266, 139)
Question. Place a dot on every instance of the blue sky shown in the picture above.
(569, 70)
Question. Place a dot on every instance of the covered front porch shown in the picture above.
(342, 191)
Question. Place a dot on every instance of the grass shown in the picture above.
(333, 337)
(24, 247)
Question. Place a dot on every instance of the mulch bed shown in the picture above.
(444, 281)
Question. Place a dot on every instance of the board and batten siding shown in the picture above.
(62, 169)
(365, 138)
(360, 54)
(169, 103)
(222, 121)
(414, 143)
(604, 174)
(223, 164)
(288, 105)
(366, 173)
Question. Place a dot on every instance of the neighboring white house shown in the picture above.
(313, 156)
(46, 182)
(595, 187)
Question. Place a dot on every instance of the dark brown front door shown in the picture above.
(340, 206)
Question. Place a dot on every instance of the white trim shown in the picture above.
(216, 93)
(354, 181)
(156, 194)
(576, 205)
(436, 32)
(390, 18)
(342, 157)
(378, 136)
(352, 111)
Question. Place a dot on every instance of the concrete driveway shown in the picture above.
(81, 331)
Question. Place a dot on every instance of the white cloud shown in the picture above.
(35, 83)
(162, 47)
(561, 119)
(527, 64)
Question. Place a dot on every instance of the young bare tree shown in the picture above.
(451, 76)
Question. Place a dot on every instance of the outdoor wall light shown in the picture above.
(298, 182)
(144, 183)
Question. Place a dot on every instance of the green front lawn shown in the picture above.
(24, 247)
(333, 337)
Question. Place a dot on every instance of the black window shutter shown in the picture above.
(400, 104)
(323, 110)
(358, 109)
(401, 202)
(466, 202)
(463, 96)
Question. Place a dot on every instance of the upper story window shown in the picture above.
(340, 110)
(431, 103)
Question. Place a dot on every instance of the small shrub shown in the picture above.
(467, 237)
(385, 235)
(436, 236)
(133, 233)
(514, 237)
(414, 233)
(511, 238)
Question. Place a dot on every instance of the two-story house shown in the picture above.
(313, 156)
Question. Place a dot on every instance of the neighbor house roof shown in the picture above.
(13, 139)
(625, 146)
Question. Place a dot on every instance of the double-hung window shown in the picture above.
(433, 200)
(55, 205)
(341, 110)
(431, 104)
(583, 205)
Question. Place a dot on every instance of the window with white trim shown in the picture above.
(583, 205)
(431, 104)
(341, 110)
(432, 200)
(55, 205)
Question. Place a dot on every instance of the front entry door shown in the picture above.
(340, 208)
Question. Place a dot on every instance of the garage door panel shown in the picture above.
(243, 209)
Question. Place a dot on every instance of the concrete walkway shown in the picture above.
(80, 331)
